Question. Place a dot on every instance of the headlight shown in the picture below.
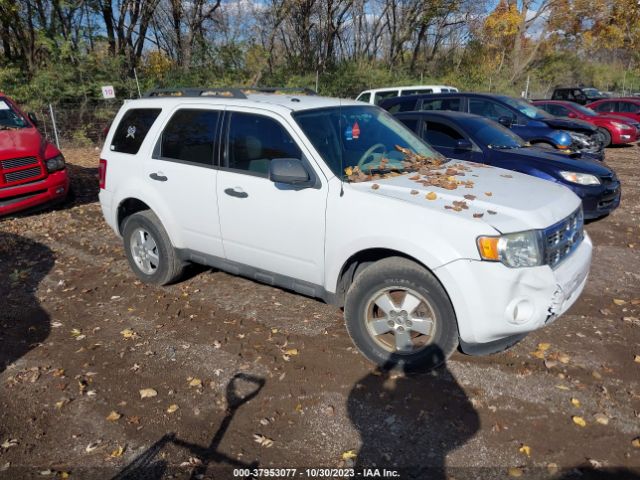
(580, 178)
(54, 164)
(523, 249)
(621, 126)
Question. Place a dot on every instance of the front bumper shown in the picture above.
(598, 201)
(52, 189)
(494, 302)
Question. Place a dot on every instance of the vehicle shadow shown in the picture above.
(23, 323)
(410, 422)
(150, 465)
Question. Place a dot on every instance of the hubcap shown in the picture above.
(400, 320)
(144, 251)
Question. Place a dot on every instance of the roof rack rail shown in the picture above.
(196, 92)
(303, 90)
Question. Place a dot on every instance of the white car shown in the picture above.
(376, 95)
(423, 256)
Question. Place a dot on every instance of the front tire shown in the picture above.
(149, 250)
(400, 317)
(606, 137)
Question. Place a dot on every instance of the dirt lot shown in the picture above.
(236, 374)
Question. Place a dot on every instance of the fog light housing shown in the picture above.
(520, 311)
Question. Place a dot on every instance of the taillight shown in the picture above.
(102, 173)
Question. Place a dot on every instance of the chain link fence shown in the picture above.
(76, 124)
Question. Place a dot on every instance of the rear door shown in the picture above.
(269, 226)
(182, 171)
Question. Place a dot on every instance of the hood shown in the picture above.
(507, 201)
(569, 124)
(540, 157)
(22, 142)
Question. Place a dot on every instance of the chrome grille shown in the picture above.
(563, 238)
(22, 174)
(18, 162)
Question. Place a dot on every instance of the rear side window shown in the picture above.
(628, 107)
(364, 97)
(380, 96)
(604, 107)
(402, 106)
(133, 128)
(452, 104)
(190, 136)
(417, 91)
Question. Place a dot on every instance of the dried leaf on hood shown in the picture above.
(470, 197)
(488, 194)
(478, 215)
(431, 196)
(375, 186)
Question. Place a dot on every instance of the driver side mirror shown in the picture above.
(33, 118)
(289, 171)
(506, 121)
(464, 144)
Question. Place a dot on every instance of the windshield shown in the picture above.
(527, 109)
(364, 137)
(584, 110)
(10, 117)
(493, 134)
(592, 92)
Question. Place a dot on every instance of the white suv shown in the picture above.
(424, 253)
(377, 95)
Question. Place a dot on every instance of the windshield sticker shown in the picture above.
(355, 130)
(348, 133)
(4, 106)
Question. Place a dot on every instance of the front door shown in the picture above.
(266, 225)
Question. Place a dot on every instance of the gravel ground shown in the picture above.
(104, 377)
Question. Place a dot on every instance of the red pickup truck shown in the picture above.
(32, 171)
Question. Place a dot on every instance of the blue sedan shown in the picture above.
(470, 137)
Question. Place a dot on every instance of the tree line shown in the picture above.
(62, 50)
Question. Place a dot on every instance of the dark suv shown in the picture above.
(581, 95)
(526, 120)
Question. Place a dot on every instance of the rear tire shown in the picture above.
(399, 316)
(149, 250)
(606, 137)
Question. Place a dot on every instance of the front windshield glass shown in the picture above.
(493, 134)
(527, 109)
(10, 117)
(364, 137)
(584, 110)
(592, 92)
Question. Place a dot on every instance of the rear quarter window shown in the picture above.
(133, 129)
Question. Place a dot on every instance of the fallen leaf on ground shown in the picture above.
(601, 418)
(346, 455)
(118, 452)
(636, 442)
(114, 416)
(92, 446)
(148, 393)
(172, 408)
(291, 351)
(12, 442)
(194, 382)
(579, 421)
(262, 440)
(515, 472)
(619, 301)
(636, 358)
(76, 332)
(526, 449)
(544, 346)
(128, 333)
(575, 402)
(553, 468)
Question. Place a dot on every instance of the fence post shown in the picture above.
(53, 123)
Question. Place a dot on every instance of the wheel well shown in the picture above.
(127, 208)
(358, 261)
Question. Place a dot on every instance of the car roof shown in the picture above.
(269, 101)
(444, 114)
(406, 87)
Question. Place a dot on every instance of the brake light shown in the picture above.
(102, 173)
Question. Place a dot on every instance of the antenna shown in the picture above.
(341, 149)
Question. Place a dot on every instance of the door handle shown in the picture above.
(236, 192)
(159, 178)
